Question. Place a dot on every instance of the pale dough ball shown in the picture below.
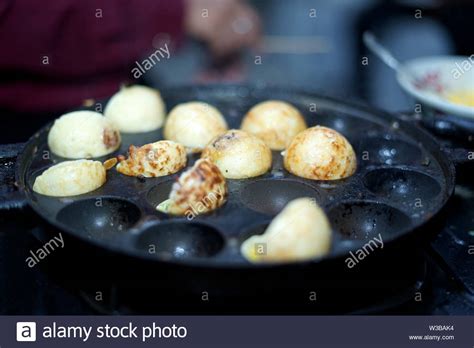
(136, 109)
(320, 153)
(239, 155)
(194, 124)
(70, 178)
(162, 158)
(198, 190)
(301, 231)
(83, 134)
(275, 122)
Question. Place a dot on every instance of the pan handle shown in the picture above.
(449, 127)
(444, 128)
(459, 155)
(10, 196)
(13, 200)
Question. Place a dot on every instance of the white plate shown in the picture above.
(429, 79)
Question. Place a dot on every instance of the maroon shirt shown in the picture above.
(54, 54)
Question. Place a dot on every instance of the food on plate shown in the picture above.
(320, 153)
(194, 124)
(198, 190)
(461, 97)
(239, 155)
(162, 158)
(300, 231)
(83, 134)
(136, 109)
(71, 178)
(275, 122)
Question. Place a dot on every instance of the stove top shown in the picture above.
(441, 283)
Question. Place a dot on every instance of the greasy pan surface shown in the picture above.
(402, 181)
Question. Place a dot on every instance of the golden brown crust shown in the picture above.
(320, 153)
(153, 160)
(111, 138)
(199, 190)
(110, 163)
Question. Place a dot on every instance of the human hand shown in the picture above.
(226, 26)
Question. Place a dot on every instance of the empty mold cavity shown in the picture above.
(349, 126)
(270, 196)
(387, 151)
(180, 240)
(366, 220)
(101, 217)
(402, 185)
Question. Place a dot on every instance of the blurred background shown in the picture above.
(56, 56)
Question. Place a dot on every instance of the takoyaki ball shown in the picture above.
(301, 231)
(83, 134)
(162, 158)
(275, 122)
(70, 178)
(194, 124)
(320, 153)
(199, 190)
(239, 154)
(136, 109)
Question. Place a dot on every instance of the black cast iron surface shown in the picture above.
(67, 283)
(402, 181)
(48, 289)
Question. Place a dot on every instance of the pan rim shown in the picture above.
(441, 156)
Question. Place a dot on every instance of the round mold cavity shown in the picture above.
(402, 185)
(270, 196)
(367, 220)
(349, 126)
(255, 230)
(159, 193)
(180, 240)
(388, 151)
(100, 217)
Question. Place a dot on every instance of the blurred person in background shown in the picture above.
(56, 54)
(91, 48)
